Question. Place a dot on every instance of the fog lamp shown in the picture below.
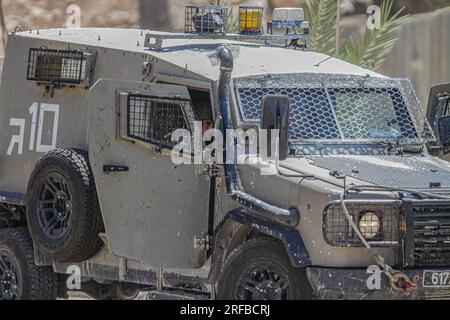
(369, 224)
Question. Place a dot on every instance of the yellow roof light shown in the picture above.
(250, 20)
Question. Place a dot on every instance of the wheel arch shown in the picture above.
(238, 227)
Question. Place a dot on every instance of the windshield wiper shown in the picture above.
(393, 146)
(399, 148)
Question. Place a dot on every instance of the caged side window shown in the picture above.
(72, 67)
(154, 119)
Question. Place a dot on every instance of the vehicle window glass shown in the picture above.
(61, 66)
(153, 119)
(372, 114)
(338, 113)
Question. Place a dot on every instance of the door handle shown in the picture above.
(112, 168)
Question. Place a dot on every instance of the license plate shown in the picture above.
(436, 279)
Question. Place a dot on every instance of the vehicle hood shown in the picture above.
(415, 172)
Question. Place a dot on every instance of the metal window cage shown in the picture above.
(153, 119)
(60, 66)
(340, 109)
(206, 19)
(250, 20)
(338, 232)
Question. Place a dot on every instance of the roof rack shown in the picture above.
(154, 41)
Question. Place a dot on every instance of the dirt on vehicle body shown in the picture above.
(86, 165)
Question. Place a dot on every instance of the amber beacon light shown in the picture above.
(250, 20)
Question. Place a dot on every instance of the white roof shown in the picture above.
(198, 55)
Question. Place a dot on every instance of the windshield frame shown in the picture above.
(413, 106)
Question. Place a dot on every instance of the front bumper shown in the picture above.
(352, 284)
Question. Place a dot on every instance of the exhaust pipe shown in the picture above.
(288, 217)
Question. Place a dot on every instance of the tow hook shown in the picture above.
(400, 282)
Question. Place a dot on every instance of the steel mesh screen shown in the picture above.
(324, 108)
(58, 66)
(152, 119)
(205, 19)
(338, 232)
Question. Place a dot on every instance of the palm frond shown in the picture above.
(322, 17)
(351, 50)
(371, 49)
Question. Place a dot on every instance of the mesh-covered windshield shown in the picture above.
(324, 108)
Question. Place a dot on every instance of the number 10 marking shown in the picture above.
(34, 112)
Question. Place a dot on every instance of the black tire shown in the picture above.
(268, 274)
(123, 292)
(29, 282)
(62, 209)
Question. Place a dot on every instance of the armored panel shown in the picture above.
(154, 210)
(33, 121)
(390, 171)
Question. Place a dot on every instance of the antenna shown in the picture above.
(338, 25)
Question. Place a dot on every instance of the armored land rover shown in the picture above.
(352, 206)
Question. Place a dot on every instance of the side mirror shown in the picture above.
(444, 131)
(437, 104)
(275, 115)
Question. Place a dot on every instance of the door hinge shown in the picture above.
(212, 171)
(203, 242)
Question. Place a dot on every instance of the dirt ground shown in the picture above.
(45, 13)
(40, 14)
(133, 13)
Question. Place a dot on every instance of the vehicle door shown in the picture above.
(153, 208)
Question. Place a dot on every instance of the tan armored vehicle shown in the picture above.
(351, 206)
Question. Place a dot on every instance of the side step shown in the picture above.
(176, 295)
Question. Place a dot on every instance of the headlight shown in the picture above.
(378, 221)
(369, 225)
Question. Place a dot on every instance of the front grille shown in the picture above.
(437, 295)
(431, 235)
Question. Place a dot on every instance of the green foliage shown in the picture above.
(443, 2)
(368, 49)
(322, 17)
